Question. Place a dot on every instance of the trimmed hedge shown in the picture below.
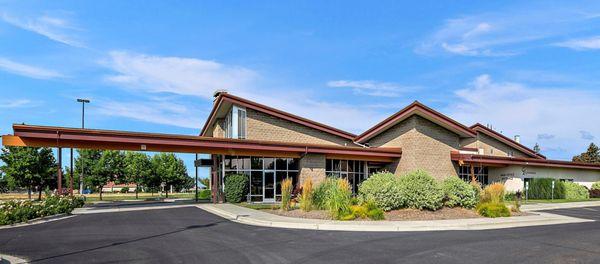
(420, 191)
(236, 187)
(574, 191)
(596, 186)
(383, 189)
(459, 193)
(541, 188)
(204, 194)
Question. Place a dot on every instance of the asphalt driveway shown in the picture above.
(190, 235)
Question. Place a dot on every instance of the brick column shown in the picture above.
(312, 166)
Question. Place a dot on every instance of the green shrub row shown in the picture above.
(417, 190)
(596, 186)
(574, 191)
(21, 211)
(541, 188)
(204, 194)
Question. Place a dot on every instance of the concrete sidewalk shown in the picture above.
(552, 206)
(257, 218)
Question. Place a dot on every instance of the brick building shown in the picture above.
(416, 137)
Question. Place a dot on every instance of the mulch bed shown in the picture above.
(395, 215)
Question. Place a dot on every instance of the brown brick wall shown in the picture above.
(312, 166)
(491, 146)
(425, 145)
(265, 127)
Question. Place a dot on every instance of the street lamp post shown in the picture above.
(83, 102)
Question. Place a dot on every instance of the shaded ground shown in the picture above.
(190, 235)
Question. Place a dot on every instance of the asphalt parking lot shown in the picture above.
(190, 235)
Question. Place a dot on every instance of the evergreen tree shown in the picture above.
(592, 155)
(537, 148)
(29, 167)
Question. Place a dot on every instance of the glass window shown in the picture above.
(241, 123)
(292, 164)
(243, 163)
(328, 165)
(280, 175)
(351, 170)
(336, 165)
(269, 163)
(227, 162)
(281, 164)
(257, 163)
(256, 183)
(481, 174)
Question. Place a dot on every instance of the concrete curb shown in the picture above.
(40, 220)
(12, 259)
(395, 226)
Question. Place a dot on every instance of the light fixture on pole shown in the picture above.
(83, 102)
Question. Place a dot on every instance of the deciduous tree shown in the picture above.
(29, 167)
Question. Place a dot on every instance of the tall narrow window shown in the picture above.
(241, 123)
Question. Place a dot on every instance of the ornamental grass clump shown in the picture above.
(420, 191)
(306, 196)
(286, 194)
(335, 196)
(492, 202)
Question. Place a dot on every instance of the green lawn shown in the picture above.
(530, 201)
(141, 197)
(259, 206)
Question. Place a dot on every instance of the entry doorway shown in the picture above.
(268, 187)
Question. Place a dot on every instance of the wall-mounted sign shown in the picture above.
(203, 163)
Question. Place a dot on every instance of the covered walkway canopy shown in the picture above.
(63, 137)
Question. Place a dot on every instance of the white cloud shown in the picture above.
(54, 28)
(166, 113)
(27, 70)
(15, 103)
(516, 108)
(184, 76)
(581, 44)
(504, 33)
(372, 88)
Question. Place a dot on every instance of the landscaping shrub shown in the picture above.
(286, 194)
(420, 191)
(493, 193)
(204, 194)
(306, 195)
(335, 196)
(509, 196)
(383, 189)
(596, 186)
(236, 187)
(574, 191)
(20, 211)
(459, 193)
(541, 188)
(124, 190)
(491, 209)
(363, 211)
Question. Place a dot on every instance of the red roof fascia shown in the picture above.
(506, 140)
(274, 112)
(408, 111)
(496, 160)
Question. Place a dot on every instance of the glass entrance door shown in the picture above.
(269, 186)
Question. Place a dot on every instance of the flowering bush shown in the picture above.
(21, 211)
(574, 191)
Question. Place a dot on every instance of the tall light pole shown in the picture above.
(83, 102)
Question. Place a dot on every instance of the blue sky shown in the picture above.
(528, 68)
